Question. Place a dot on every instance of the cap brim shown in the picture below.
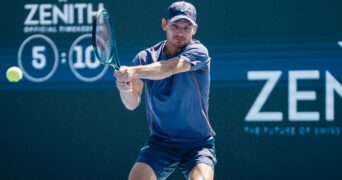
(182, 17)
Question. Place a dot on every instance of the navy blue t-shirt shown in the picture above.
(177, 107)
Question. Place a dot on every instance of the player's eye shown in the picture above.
(188, 28)
(174, 27)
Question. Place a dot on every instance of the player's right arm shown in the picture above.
(131, 99)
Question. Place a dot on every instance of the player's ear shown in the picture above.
(164, 22)
(194, 30)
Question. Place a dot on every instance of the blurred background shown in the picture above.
(275, 100)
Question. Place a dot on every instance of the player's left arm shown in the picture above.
(157, 70)
(161, 69)
(194, 57)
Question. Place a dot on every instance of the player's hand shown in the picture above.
(123, 80)
(124, 86)
(124, 74)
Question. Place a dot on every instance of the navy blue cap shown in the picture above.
(182, 10)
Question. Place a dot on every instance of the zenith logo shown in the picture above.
(52, 14)
(332, 87)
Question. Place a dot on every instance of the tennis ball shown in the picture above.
(14, 74)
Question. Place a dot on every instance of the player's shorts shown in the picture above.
(164, 157)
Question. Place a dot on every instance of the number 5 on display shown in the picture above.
(38, 57)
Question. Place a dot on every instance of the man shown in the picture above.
(176, 77)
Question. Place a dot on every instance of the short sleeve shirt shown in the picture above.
(177, 106)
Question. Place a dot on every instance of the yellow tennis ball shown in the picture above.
(14, 74)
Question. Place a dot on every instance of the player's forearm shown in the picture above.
(154, 71)
(130, 99)
(160, 70)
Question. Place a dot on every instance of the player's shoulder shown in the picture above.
(157, 47)
(196, 45)
(141, 58)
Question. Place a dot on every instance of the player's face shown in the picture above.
(179, 33)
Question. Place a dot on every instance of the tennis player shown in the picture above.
(176, 76)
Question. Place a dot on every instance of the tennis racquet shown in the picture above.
(103, 39)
